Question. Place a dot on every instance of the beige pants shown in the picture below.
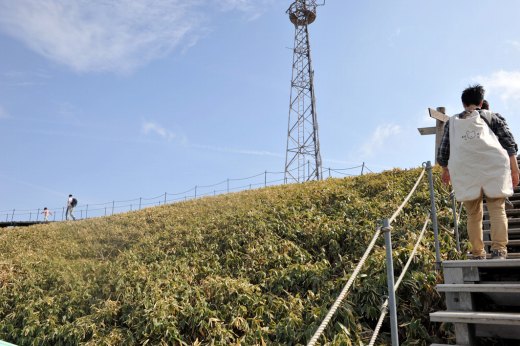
(498, 218)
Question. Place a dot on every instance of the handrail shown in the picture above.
(394, 216)
(347, 286)
(384, 307)
(110, 207)
(344, 291)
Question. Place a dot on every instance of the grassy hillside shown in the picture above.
(253, 268)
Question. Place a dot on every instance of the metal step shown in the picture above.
(511, 231)
(515, 242)
(510, 263)
(510, 256)
(510, 220)
(509, 212)
(471, 317)
(481, 288)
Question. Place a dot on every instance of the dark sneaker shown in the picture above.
(499, 254)
(479, 257)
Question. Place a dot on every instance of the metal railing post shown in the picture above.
(165, 197)
(140, 200)
(195, 191)
(86, 213)
(390, 279)
(38, 214)
(265, 178)
(12, 216)
(434, 217)
(455, 219)
(113, 205)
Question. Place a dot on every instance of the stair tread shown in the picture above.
(512, 242)
(496, 263)
(494, 287)
(508, 211)
(472, 317)
(513, 219)
(510, 231)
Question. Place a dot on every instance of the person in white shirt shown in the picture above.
(70, 207)
(46, 213)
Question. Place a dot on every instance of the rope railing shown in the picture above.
(384, 307)
(394, 216)
(354, 275)
(91, 210)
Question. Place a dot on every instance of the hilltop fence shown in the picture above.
(87, 211)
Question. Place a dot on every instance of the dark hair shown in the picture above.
(485, 105)
(473, 95)
(70, 195)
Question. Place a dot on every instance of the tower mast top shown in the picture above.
(303, 12)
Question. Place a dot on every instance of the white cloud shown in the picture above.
(394, 36)
(98, 35)
(24, 78)
(378, 138)
(513, 43)
(237, 151)
(3, 113)
(154, 128)
(506, 84)
(115, 35)
(252, 8)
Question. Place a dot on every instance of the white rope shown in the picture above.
(392, 219)
(384, 307)
(354, 275)
(344, 292)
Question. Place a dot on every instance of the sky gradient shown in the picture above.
(121, 99)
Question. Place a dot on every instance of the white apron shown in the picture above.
(477, 160)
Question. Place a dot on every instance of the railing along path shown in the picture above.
(362, 261)
(91, 210)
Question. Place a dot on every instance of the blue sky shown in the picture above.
(121, 99)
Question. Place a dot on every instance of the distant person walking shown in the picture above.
(71, 204)
(477, 154)
(46, 213)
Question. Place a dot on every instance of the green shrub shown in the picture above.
(254, 268)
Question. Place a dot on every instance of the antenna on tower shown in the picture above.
(303, 157)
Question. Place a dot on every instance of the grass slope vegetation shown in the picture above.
(253, 268)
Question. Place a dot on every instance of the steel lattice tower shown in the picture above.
(303, 158)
